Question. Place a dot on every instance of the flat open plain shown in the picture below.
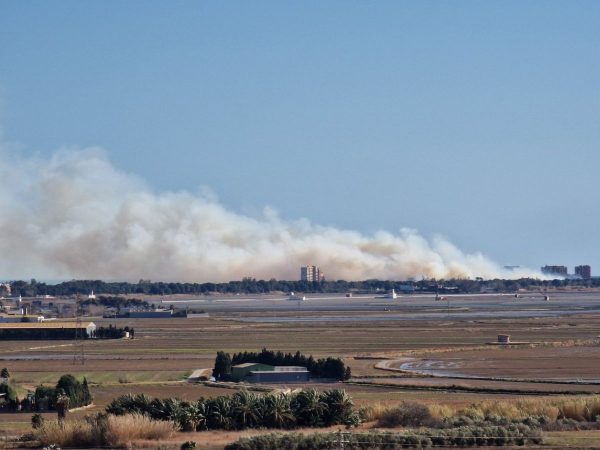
(416, 334)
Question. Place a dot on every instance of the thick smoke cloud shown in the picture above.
(76, 216)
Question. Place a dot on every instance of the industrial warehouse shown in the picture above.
(264, 373)
(47, 330)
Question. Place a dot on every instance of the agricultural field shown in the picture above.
(439, 360)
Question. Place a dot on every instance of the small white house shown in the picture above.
(90, 329)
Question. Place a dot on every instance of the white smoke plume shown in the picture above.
(74, 215)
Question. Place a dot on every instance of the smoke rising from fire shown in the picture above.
(74, 215)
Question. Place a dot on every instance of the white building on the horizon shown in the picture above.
(311, 274)
(5, 289)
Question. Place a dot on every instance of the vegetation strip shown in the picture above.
(463, 436)
(455, 388)
(246, 409)
(253, 286)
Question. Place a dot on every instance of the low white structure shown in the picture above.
(392, 295)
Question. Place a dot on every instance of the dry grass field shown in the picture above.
(165, 351)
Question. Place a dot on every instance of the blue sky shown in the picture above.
(476, 120)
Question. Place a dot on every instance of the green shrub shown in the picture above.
(457, 437)
(408, 414)
(37, 421)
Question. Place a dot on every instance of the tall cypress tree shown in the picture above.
(222, 367)
(87, 395)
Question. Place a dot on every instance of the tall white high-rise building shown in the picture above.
(311, 273)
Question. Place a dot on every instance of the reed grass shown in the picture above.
(114, 431)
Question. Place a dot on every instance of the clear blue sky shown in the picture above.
(478, 120)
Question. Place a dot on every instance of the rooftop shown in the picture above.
(248, 365)
(290, 369)
(296, 370)
(52, 324)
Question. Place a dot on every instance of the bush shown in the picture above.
(37, 421)
(408, 414)
(123, 429)
(66, 434)
(189, 445)
(78, 392)
(103, 430)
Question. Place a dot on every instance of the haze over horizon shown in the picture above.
(370, 129)
(75, 215)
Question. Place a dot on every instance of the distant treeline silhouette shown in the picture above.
(116, 302)
(253, 286)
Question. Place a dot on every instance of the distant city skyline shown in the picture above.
(583, 270)
(475, 121)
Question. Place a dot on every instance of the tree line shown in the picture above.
(112, 332)
(253, 286)
(116, 302)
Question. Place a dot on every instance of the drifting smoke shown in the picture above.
(77, 216)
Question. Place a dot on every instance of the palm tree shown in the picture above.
(245, 408)
(197, 415)
(219, 413)
(128, 404)
(277, 411)
(157, 410)
(309, 408)
(173, 409)
(339, 406)
(182, 415)
(62, 405)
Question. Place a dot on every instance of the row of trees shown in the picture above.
(112, 332)
(253, 286)
(116, 302)
(320, 368)
(305, 408)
